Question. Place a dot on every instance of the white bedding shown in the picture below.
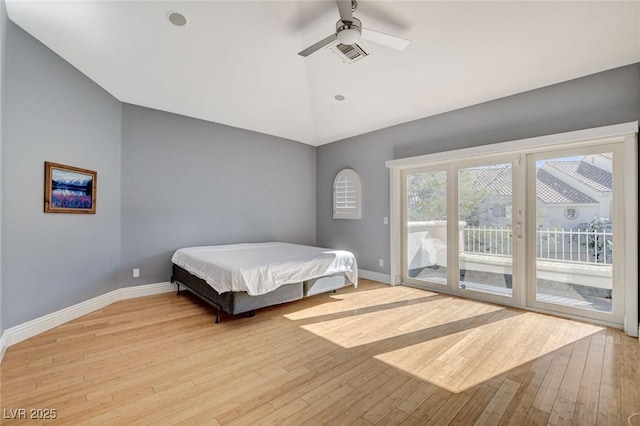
(262, 267)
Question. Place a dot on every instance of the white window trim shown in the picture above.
(355, 213)
(628, 132)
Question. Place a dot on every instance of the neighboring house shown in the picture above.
(568, 192)
(589, 195)
(492, 188)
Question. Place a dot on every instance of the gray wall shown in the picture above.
(3, 38)
(164, 181)
(602, 99)
(52, 112)
(188, 182)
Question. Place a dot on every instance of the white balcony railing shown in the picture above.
(570, 245)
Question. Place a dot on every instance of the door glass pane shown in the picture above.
(485, 205)
(426, 239)
(574, 231)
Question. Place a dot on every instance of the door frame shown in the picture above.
(617, 314)
(517, 222)
(625, 133)
(446, 288)
(453, 266)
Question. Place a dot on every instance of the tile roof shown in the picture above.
(607, 155)
(551, 190)
(593, 177)
(497, 179)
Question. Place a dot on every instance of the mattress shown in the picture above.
(259, 268)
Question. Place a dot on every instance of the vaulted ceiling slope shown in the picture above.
(236, 62)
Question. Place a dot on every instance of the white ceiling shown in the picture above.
(236, 62)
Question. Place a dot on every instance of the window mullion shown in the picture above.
(453, 228)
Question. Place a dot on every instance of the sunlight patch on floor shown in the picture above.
(464, 359)
(360, 300)
(432, 315)
(453, 343)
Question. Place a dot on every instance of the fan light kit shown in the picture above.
(349, 30)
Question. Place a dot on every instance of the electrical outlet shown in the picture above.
(385, 220)
(136, 273)
(380, 262)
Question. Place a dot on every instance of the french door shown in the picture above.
(538, 229)
(575, 230)
(459, 227)
(426, 227)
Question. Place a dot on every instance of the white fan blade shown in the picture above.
(393, 42)
(344, 8)
(319, 45)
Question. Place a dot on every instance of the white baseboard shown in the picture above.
(147, 290)
(374, 276)
(3, 346)
(21, 332)
(36, 326)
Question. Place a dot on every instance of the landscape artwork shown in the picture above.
(69, 189)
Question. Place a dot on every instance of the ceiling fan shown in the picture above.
(349, 30)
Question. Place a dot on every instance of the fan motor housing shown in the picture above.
(348, 32)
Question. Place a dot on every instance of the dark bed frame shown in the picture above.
(234, 303)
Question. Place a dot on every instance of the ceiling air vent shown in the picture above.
(349, 53)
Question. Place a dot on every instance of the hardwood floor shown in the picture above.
(372, 355)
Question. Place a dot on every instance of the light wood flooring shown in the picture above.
(372, 355)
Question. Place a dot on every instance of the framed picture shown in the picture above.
(69, 189)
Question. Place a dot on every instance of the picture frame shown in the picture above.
(69, 189)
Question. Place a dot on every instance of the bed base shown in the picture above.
(234, 303)
(215, 305)
(201, 297)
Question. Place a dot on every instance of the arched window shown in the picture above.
(347, 197)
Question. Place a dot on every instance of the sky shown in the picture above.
(65, 175)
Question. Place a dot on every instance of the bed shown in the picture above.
(241, 278)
